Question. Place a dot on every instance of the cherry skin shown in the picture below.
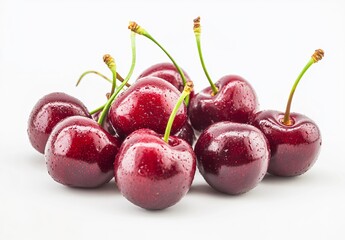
(168, 72)
(186, 133)
(151, 173)
(235, 101)
(232, 157)
(79, 153)
(146, 104)
(295, 147)
(49, 111)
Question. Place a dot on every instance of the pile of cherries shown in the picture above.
(144, 134)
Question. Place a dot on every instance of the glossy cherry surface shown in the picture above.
(47, 112)
(79, 153)
(151, 173)
(166, 71)
(148, 103)
(232, 157)
(294, 148)
(235, 101)
(186, 132)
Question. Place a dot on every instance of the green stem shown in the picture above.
(134, 56)
(109, 60)
(317, 56)
(94, 72)
(118, 76)
(213, 87)
(110, 101)
(113, 85)
(97, 110)
(106, 106)
(186, 91)
(173, 61)
(134, 27)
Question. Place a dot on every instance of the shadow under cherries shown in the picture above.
(205, 189)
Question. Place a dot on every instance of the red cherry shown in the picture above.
(295, 147)
(146, 104)
(79, 153)
(232, 157)
(151, 173)
(295, 139)
(230, 99)
(235, 101)
(48, 112)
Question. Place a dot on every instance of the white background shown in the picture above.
(46, 45)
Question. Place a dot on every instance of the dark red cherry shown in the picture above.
(47, 112)
(232, 157)
(79, 153)
(148, 103)
(295, 147)
(151, 173)
(235, 101)
(295, 139)
(231, 98)
(186, 133)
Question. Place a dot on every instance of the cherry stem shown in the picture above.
(100, 108)
(105, 107)
(197, 31)
(113, 69)
(118, 76)
(134, 27)
(317, 56)
(94, 72)
(134, 56)
(109, 60)
(188, 88)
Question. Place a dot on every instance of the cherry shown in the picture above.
(232, 157)
(154, 172)
(79, 153)
(232, 98)
(48, 112)
(151, 173)
(295, 140)
(235, 101)
(168, 72)
(146, 104)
